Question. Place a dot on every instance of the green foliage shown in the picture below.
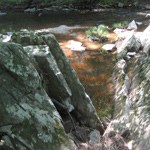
(100, 31)
(120, 24)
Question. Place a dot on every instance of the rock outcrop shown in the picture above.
(53, 65)
(29, 120)
(40, 93)
(132, 96)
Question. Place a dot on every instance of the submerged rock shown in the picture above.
(76, 46)
(109, 47)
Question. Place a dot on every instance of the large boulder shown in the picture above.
(73, 91)
(129, 44)
(29, 120)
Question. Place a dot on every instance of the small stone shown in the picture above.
(108, 47)
(131, 54)
(132, 26)
(76, 46)
(94, 137)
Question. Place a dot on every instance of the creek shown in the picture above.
(93, 66)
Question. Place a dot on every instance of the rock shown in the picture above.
(122, 55)
(108, 47)
(138, 35)
(29, 120)
(9, 33)
(119, 31)
(83, 107)
(132, 25)
(94, 137)
(3, 13)
(49, 71)
(130, 44)
(146, 48)
(6, 38)
(76, 46)
(132, 95)
(139, 23)
(145, 36)
(122, 33)
(131, 54)
(62, 29)
(147, 16)
(30, 10)
(80, 100)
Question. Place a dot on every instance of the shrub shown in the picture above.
(99, 32)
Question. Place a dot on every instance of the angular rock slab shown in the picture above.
(28, 118)
(80, 100)
(55, 84)
(130, 44)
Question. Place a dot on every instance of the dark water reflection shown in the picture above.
(17, 21)
(93, 68)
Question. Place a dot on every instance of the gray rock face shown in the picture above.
(145, 36)
(132, 25)
(52, 65)
(133, 102)
(130, 44)
(29, 120)
(132, 92)
(52, 78)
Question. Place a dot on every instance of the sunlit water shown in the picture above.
(93, 67)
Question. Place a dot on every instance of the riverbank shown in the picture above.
(40, 6)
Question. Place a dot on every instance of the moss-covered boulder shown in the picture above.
(28, 118)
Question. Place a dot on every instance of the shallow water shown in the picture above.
(93, 67)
